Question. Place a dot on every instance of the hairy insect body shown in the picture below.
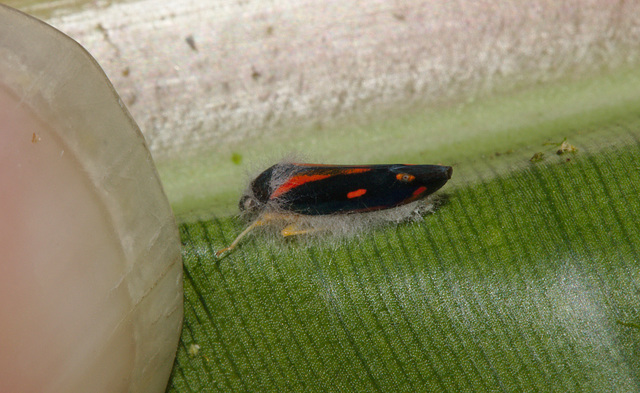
(286, 191)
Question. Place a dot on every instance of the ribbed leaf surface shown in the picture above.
(520, 281)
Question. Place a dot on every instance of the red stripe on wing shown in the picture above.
(322, 173)
(296, 181)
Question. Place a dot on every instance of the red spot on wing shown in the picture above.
(357, 193)
(418, 192)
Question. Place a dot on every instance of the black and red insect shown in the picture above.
(288, 192)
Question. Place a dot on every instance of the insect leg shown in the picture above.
(255, 224)
(295, 229)
(264, 219)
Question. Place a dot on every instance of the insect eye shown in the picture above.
(247, 203)
(405, 177)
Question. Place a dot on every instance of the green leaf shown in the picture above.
(522, 280)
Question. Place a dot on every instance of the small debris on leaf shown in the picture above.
(537, 157)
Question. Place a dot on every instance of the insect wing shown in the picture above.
(318, 190)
